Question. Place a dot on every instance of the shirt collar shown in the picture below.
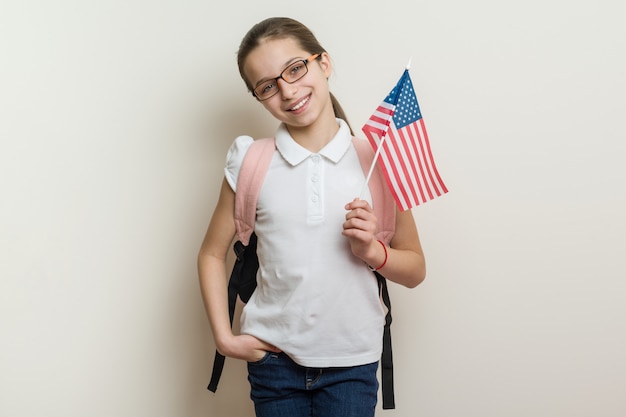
(295, 153)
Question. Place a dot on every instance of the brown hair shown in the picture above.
(280, 28)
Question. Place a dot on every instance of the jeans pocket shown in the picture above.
(261, 361)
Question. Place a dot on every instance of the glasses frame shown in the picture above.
(280, 77)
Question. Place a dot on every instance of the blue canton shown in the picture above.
(403, 97)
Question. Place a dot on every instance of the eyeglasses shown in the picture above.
(291, 74)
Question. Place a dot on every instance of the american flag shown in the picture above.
(397, 133)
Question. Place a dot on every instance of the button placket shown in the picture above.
(314, 189)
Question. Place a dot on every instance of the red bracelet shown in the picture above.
(384, 262)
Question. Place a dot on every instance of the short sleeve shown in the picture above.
(234, 159)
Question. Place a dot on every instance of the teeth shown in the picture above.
(302, 103)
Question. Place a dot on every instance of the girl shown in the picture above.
(311, 333)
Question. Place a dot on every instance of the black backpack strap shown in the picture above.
(218, 366)
(387, 356)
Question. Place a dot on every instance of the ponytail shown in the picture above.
(339, 113)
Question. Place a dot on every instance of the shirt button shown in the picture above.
(314, 178)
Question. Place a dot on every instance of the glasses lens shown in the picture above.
(294, 72)
(266, 90)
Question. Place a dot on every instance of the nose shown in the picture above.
(286, 90)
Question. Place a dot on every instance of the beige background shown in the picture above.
(115, 117)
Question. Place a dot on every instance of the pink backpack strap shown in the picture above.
(255, 164)
(382, 199)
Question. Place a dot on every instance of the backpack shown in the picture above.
(242, 281)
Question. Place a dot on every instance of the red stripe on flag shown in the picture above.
(432, 160)
(408, 166)
(423, 145)
(398, 167)
(420, 162)
(408, 141)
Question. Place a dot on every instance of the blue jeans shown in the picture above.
(281, 388)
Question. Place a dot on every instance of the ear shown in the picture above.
(326, 64)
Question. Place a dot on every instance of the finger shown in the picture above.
(361, 219)
(357, 203)
(360, 204)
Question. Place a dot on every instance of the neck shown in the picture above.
(315, 136)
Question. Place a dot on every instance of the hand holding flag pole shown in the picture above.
(397, 133)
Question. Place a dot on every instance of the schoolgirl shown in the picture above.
(311, 332)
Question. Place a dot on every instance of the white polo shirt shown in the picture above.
(314, 300)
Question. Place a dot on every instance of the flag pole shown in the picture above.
(378, 149)
(369, 173)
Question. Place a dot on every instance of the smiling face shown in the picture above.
(303, 103)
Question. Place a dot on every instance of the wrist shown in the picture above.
(379, 261)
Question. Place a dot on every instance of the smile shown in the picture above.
(299, 105)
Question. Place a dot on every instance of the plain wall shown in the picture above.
(115, 117)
